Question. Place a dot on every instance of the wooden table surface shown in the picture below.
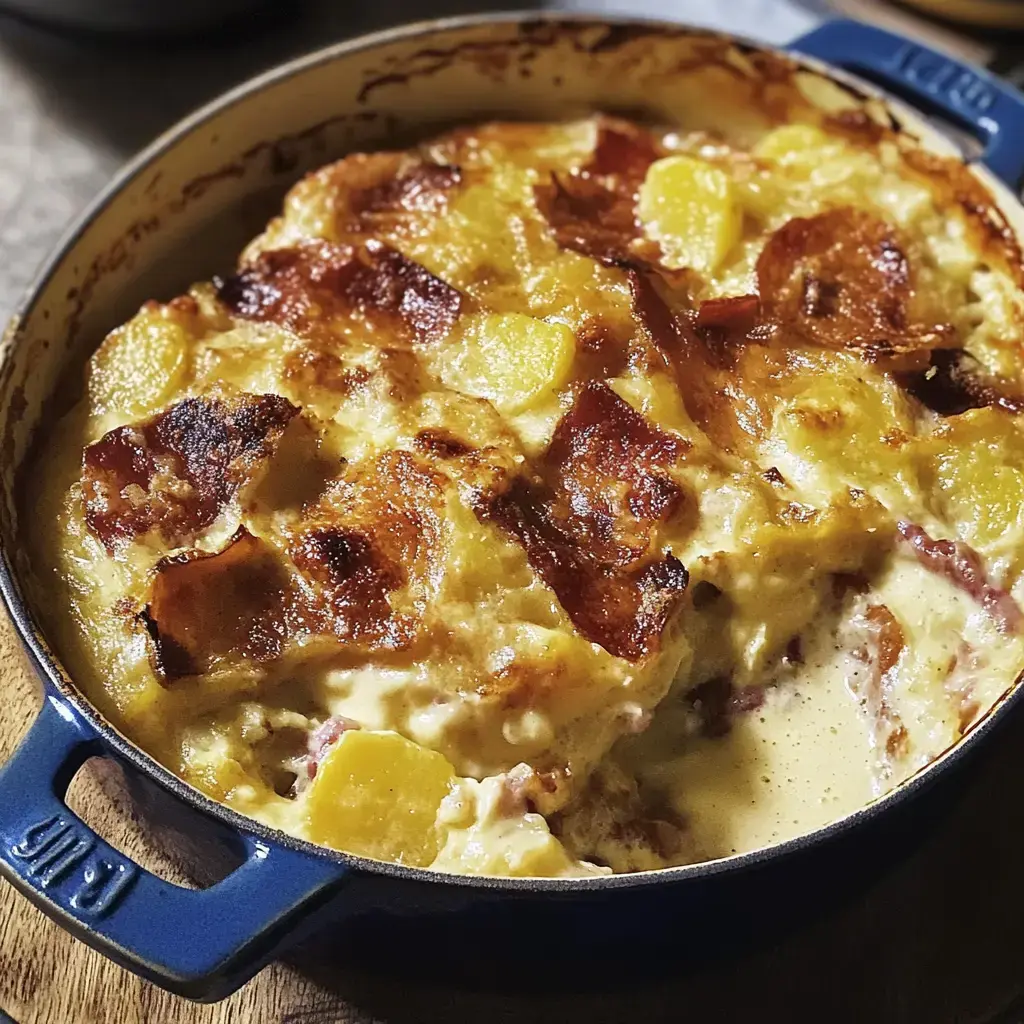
(937, 940)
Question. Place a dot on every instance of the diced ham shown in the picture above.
(323, 737)
(878, 642)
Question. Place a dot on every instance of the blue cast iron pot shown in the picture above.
(180, 212)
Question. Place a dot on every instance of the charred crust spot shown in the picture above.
(423, 187)
(586, 521)
(956, 187)
(955, 382)
(306, 287)
(841, 280)
(375, 533)
(441, 443)
(774, 477)
(314, 367)
(857, 124)
(175, 472)
(353, 579)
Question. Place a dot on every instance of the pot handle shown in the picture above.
(202, 944)
(973, 100)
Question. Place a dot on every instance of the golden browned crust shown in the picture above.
(174, 472)
(305, 288)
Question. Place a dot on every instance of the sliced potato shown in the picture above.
(377, 794)
(795, 145)
(511, 359)
(689, 207)
(137, 365)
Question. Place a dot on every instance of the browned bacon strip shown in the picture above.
(592, 210)
(740, 313)
(962, 565)
(842, 280)
(726, 372)
(305, 287)
(205, 609)
(175, 472)
(586, 521)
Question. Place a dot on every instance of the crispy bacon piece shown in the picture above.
(305, 287)
(842, 280)
(175, 472)
(363, 570)
(954, 382)
(881, 643)
(962, 565)
(208, 609)
(727, 373)
(740, 313)
(586, 521)
(376, 533)
(592, 210)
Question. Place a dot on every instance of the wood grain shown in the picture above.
(939, 939)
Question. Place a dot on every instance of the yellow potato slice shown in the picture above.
(377, 794)
(689, 207)
(137, 365)
(511, 359)
(796, 145)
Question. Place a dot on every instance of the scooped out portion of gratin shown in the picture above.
(551, 499)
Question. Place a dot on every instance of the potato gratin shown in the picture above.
(557, 499)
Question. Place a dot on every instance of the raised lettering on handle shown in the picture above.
(84, 877)
(945, 79)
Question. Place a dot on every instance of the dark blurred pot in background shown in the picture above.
(988, 13)
(136, 17)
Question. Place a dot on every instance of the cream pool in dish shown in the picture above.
(551, 499)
